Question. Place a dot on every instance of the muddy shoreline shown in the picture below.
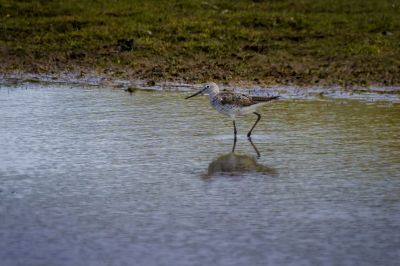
(371, 93)
(237, 43)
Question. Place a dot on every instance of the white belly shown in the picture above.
(234, 110)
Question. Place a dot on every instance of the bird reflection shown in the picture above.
(234, 164)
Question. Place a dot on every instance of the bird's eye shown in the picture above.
(207, 86)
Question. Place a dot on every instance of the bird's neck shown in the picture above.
(212, 94)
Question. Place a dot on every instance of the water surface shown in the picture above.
(95, 176)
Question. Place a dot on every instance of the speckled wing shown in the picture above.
(258, 99)
(234, 99)
(242, 99)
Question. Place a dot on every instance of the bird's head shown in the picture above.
(208, 88)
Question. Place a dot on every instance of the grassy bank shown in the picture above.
(302, 42)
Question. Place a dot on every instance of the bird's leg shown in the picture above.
(255, 148)
(234, 137)
(258, 119)
(234, 144)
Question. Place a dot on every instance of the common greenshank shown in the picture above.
(234, 104)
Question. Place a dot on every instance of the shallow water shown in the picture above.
(95, 176)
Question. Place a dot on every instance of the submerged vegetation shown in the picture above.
(302, 42)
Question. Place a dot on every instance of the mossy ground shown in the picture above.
(302, 42)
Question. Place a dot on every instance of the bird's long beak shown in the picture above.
(197, 93)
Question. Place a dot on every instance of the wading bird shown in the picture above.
(234, 104)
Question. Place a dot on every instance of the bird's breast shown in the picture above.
(227, 109)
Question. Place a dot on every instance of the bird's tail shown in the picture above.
(264, 99)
